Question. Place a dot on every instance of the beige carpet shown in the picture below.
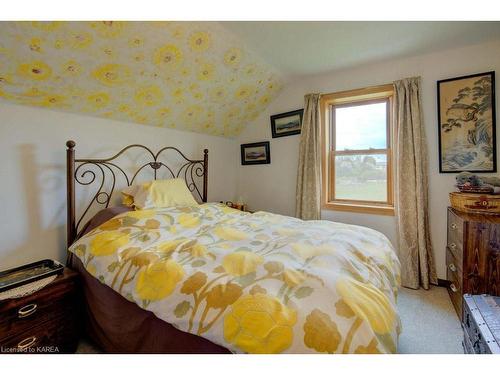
(430, 324)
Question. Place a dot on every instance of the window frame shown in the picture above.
(328, 103)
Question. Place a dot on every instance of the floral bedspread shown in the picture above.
(254, 283)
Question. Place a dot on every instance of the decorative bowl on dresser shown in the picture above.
(472, 255)
(45, 321)
(481, 324)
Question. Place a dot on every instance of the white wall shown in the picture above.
(33, 171)
(272, 187)
(32, 155)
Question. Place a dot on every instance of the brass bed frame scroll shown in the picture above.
(88, 171)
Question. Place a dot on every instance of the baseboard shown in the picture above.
(443, 283)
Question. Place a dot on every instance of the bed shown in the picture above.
(211, 279)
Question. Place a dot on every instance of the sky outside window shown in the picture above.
(361, 127)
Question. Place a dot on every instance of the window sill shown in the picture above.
(360, 208)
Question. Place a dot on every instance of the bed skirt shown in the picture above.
(120, 326)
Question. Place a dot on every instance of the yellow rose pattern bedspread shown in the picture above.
(253, 283)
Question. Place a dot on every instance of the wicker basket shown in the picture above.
(470, 202)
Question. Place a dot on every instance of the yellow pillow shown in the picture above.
(128, 195)
(158, 194)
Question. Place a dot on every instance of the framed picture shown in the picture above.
(255, 153)
(467, 129)
(288, 123)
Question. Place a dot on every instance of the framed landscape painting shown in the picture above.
(288, 123)
(255, 153)
(466, 115)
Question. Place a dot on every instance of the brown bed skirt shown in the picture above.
(117, 325)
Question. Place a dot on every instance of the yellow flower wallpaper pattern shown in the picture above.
(194, 76)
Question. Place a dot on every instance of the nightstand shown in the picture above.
(45, 321)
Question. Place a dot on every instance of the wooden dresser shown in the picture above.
(46, 321)
(472, 255)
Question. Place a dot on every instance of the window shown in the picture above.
(357, 150)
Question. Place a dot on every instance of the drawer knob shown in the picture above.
(452, 245)
(453, 288)
(27, 310)
(453, 226)
(452, 267)
(26, 343)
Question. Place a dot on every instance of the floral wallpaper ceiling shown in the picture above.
(193, 76)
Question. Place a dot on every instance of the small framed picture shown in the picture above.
(288, 123)
(255, 153)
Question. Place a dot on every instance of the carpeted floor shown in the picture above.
(430, 324)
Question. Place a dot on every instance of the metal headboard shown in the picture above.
(95, 171)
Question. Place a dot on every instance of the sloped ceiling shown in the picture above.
(194, 76)
(299, 48)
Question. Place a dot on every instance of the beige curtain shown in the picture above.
(308, 193)
(415, 249)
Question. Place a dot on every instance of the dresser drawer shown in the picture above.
(455, 235)
(58, 335)
(453, 264)
(35, 311)
(455, 289)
